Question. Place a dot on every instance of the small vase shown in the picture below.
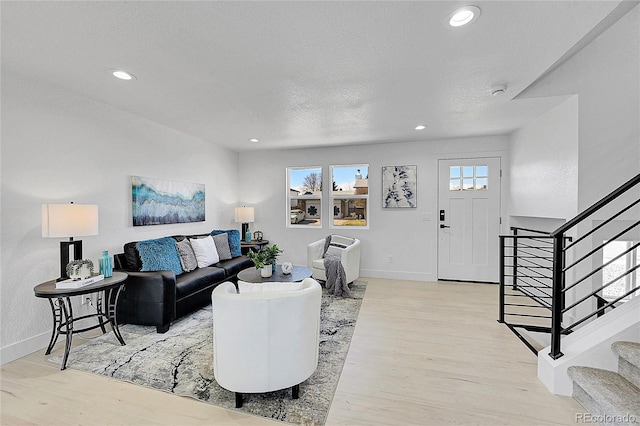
(266, 271)
(273, 266)
(106, 268)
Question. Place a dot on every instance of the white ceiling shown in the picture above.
(298, 74)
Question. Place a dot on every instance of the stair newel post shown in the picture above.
(514, 284)
(502, 279)
(557, 301)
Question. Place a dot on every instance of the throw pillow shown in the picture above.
(187, 256)
(234, 240)
(159, 255)
(222, 246)
(205, 250)
(132, 256)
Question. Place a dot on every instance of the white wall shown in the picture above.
(543, 163)
(59, 147)
(609, 109)
(606, 77)
(400, 233)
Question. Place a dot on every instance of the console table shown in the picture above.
(108, 291)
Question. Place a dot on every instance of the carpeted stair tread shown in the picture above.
(628, 360)
(629, 351)
(610, 391)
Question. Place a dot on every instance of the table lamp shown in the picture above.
(245, 215)
(69, 220)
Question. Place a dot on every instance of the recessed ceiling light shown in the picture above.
(123, 75)
(421, 127)
(464, 15)
(254, 140)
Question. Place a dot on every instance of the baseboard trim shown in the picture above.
(399, 275)
(24, 347)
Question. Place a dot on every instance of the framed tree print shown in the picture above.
(399, 186)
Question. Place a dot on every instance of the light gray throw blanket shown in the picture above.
(336, 278)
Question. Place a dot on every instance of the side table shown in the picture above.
(108, 291)
(254, 244)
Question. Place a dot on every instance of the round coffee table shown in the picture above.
(252, 275)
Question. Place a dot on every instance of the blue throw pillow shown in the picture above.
(159, 255)
(234, 240)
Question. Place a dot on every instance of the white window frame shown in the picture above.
(629, 280)
(316, 197)
(333, 197)
(474, 178)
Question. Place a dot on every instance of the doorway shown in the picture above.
(469, 219)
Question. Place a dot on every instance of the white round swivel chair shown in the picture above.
(265, 337)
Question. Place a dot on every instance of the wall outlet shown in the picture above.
(390, 259)
(86, 299)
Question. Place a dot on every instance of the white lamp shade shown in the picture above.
(244, 214)
(69, 220)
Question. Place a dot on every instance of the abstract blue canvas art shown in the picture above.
(399, 186)
(159, 201)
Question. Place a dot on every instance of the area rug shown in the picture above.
(181, 361)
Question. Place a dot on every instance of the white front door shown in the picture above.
(469, 219)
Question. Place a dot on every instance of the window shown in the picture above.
(468, 178)
(350, 195)
(304, 196)
(621, 262)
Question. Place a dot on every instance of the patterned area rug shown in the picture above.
(181, 361)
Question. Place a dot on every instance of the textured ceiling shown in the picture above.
(296, 74)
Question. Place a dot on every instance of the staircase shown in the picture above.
(611, 398)
(579, 287)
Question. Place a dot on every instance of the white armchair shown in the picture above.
(348, 249)
(265, 337)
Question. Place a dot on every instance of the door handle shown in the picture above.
(442, 226)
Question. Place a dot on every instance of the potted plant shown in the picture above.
(272, 255)
(265, 259)
(259, 259)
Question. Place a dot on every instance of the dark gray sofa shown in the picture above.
(159, 297)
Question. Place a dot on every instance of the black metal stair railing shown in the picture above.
(555, 282)
(576, 301)
(526, 278)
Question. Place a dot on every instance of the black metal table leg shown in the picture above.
(100, 312)
(57, 321)
(67, 312)
(112, 303)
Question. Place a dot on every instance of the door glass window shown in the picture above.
(468, 178)
(454, 178)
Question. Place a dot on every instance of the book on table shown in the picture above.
(66, 284)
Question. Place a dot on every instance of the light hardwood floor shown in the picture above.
(422, 353)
